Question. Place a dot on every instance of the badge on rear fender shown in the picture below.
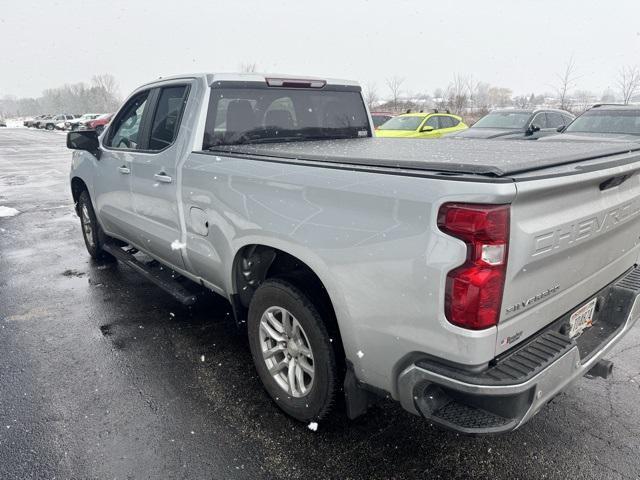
(530, 301)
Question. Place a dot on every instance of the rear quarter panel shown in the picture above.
(370, 237)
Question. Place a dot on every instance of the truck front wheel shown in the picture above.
(94, 237)
(292, 351)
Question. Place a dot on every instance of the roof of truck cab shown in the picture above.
(452, 156)
(250, 77)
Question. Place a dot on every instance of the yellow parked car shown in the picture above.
(421, 125)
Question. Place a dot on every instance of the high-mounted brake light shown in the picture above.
(295, 83)
(473, 295)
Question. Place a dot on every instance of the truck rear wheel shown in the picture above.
(292, 351)
(94, 237)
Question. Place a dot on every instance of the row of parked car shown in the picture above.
(603, 122)
(88, 121)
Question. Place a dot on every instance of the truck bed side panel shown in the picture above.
(370, 237)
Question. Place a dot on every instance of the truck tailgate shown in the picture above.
(570, 236)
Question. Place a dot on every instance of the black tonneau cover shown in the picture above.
(496, 158)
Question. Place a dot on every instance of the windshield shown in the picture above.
(403, 123)
(503, 120)
(607, 121)
(260, 115)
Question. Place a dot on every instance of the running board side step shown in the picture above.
(155, 273)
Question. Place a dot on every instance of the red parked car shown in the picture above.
(99, 123)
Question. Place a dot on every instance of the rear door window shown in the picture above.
(433, 121)
(540, 120)
(554, 120)
(446, 122)
(166, 120)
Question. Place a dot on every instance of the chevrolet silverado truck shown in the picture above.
(470, 281)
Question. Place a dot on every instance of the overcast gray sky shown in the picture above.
(515, 44)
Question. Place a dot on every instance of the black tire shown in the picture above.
(50, 126)
(95, 238)
(99, 129)
(318, 402)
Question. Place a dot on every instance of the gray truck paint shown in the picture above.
(370, 234)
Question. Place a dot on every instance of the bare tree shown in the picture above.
(522, 101)
(371, 95)
(107, 83)
(584, 99)
(394, 84)
(459, 93)
(105, 88)
(248, 67)
(480, 97)
(500, 96)
(629, 83)
(566, 82)
(608, 96)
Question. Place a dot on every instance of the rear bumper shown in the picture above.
(519, 383)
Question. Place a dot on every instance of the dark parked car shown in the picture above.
(512, 124)
(603, 123)
(380, 117)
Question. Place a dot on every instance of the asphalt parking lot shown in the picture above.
(102, 375)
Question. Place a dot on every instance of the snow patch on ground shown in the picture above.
(8, 211)
(13, 123)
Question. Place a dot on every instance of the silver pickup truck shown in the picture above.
(469, 280)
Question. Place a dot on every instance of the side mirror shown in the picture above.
(533, 128)
(427, 128)
(560, 129)
(84, 140)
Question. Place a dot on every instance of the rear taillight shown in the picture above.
(473, 295)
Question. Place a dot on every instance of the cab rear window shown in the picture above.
(266, 114)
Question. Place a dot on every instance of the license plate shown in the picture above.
(582, 318)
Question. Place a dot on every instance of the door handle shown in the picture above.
(163, 177)
(124, 170)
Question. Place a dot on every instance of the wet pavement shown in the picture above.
(103, 375)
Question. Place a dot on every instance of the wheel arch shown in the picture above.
(311, 275)
(77, 187)
(255, 262)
